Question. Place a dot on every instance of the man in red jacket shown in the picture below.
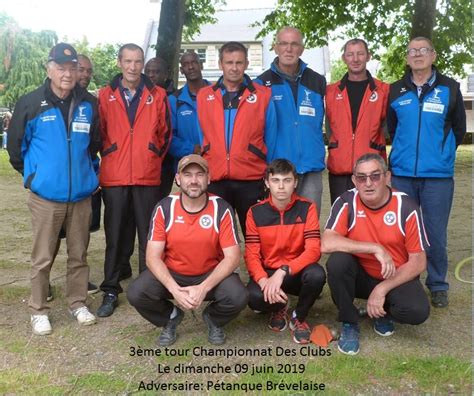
(238, 122)
(282, 249)
(136, 130)
(355, 110)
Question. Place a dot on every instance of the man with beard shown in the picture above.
(192, 252)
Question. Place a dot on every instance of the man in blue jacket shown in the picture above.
(187, 137)
(53, 137)
(298, 93)
(426, 121)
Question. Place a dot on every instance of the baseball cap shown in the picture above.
(193, 159)
(62, 53)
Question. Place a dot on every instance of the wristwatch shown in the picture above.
(286, 269)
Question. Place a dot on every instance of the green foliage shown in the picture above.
(104, 61)
(338, 69)
(384, 24)
(23, 54)
(198, 13)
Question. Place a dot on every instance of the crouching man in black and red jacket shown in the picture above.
(282, 252)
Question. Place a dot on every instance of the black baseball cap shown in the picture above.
(62, 53)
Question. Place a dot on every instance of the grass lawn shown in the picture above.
(119, 355)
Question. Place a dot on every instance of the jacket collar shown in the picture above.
(344, 80)
(289, 206)
(275, 68)
(247, 83)
(78, 93)
(115, 83)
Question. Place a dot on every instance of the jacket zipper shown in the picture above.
(69, 163)
(420, 105)
(229, 107)
(131, 151)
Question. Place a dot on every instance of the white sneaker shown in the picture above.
(84, 316)
(41, 325)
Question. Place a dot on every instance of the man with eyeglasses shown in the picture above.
(377, 243)
(53, 137)
(298, 93)
(426, 121)
(355, 114)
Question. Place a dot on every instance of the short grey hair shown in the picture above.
(370, 157)
(130, 47)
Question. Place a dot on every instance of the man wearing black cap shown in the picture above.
(53, 137)
(192, 252)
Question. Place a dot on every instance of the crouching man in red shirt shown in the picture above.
(377, 243)
(282, 249)
(192, 252)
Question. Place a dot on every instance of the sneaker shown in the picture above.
(278, 320)
(216, 335)
(50, 296)
(349, 341)
(84, 316)
(301, 331)
(168, 334)
(108, 306)
(91, 288)
(384, 327)
(41, 325)
(439, 299)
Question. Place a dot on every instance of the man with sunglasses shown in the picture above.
(377, 243)
(426, 121)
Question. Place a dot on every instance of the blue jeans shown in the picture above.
(435, 197)
(310, 186)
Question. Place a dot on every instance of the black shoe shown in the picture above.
(50, 296)
(168, 334)
(91, 288)
(216, 335)
(108, 306)
(439, 299)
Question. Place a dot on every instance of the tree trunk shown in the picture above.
(424, 17)
(169, 34)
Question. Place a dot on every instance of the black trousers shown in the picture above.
(152, 300)
(307, 285)
(127, 208)
(240, 194)
(339, 184)
(347, 280)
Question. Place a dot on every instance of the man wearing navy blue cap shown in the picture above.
(53, 137)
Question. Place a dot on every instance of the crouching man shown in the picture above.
(282, 252)
(377, 243)
(192, 251)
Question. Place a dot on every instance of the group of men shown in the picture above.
(226, 145)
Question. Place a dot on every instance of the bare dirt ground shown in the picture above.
(97, 360)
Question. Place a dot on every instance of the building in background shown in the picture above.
(235, 25)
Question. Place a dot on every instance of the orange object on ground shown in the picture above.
(321, 335)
